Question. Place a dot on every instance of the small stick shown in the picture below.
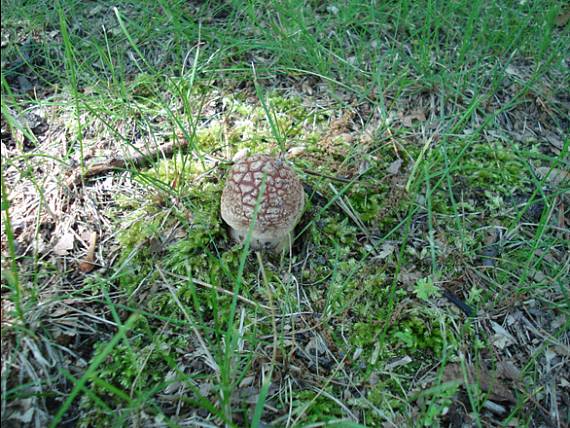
(116, 163)
(452, 297)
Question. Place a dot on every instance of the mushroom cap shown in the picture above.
(281, 205)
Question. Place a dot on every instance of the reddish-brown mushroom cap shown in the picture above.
(280, 208)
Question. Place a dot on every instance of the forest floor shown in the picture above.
(428, 282)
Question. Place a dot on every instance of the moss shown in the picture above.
(210, 138)
(414, 333)
(366, 203)
(203, 228)
(495, 167)
(131, 370)
(416, 330)
(136, 255)
(246, 125)
(318, 408)
(351, 288)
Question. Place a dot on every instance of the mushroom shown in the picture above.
(280, 207)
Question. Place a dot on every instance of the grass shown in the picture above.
(433, 141)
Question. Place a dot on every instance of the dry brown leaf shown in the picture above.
(64, 244)
(306, 88)
(502, 338)
(87, 265)
(296, 151)
(394, 167)
(386, 250)
(407, 120)
(556, 177)
(562, 19)
(409, 277)
(487, 381)
(508, 370)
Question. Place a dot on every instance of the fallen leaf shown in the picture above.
(409, 278)
(385, 251)
(306, 88)
(408, 119)
(64, 244)
(247, 381)
(513, 71)
(502, 337)
(315, 346)
(508, 370)
(556, 177)
(24, 417)
(25, 84)
(332, 9)
(562, 19)
(554, 140)
(206, 388)
(295, 151)
(242, 153)
(95, 10)
(487, 381)
(394, 167)
(87, 264)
